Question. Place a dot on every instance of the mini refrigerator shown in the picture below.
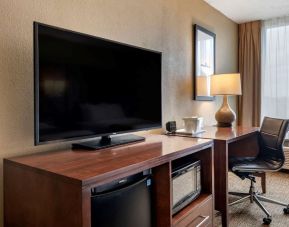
(123, 203)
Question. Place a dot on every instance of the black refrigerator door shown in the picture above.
(129, 206)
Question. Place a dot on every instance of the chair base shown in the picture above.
(257, 197)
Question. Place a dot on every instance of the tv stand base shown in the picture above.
(108, 141)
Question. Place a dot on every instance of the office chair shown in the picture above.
(270, 158)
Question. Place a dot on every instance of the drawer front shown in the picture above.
(200, 221)
(199, 217)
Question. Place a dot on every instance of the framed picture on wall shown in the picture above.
(204, 62)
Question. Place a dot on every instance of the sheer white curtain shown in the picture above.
(275, 68)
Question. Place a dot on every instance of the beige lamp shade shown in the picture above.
(226, 84)
(203, 86)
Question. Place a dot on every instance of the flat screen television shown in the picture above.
(86, 86)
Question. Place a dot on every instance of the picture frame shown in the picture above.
(204, 63)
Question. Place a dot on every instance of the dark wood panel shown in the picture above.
(246, 147)
(34, 200)
(229, 134)
(53, 188)
(221, 179)
(86, 207)
(263, 180)
(162, 192)
(86, 167)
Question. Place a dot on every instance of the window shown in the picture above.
(275, 68)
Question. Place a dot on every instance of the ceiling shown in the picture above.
(242, 11)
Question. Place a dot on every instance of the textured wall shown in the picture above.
(163, 25)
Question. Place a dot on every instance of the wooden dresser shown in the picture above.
(53, 189)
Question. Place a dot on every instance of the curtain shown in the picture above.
(275, 68)
(249, 103)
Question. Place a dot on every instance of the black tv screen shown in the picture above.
(87, 86)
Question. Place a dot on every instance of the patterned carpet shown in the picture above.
(249, 215)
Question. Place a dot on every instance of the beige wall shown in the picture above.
(163, 25)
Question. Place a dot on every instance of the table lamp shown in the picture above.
(225, 84)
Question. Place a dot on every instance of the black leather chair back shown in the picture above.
(272, 135)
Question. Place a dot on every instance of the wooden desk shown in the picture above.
(235, 141)
(54, 188)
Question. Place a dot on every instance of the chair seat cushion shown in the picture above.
(253, 164)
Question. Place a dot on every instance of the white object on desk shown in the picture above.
(193, 124)
(184, 132)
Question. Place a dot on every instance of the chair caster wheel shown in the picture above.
(286, 210)
(267, 221)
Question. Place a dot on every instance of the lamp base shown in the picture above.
(221, 124)
(225, 116)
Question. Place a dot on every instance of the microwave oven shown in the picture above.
(186, 181)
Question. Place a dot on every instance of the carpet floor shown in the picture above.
(250, 215)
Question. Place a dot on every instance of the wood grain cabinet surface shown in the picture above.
(53, 189)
